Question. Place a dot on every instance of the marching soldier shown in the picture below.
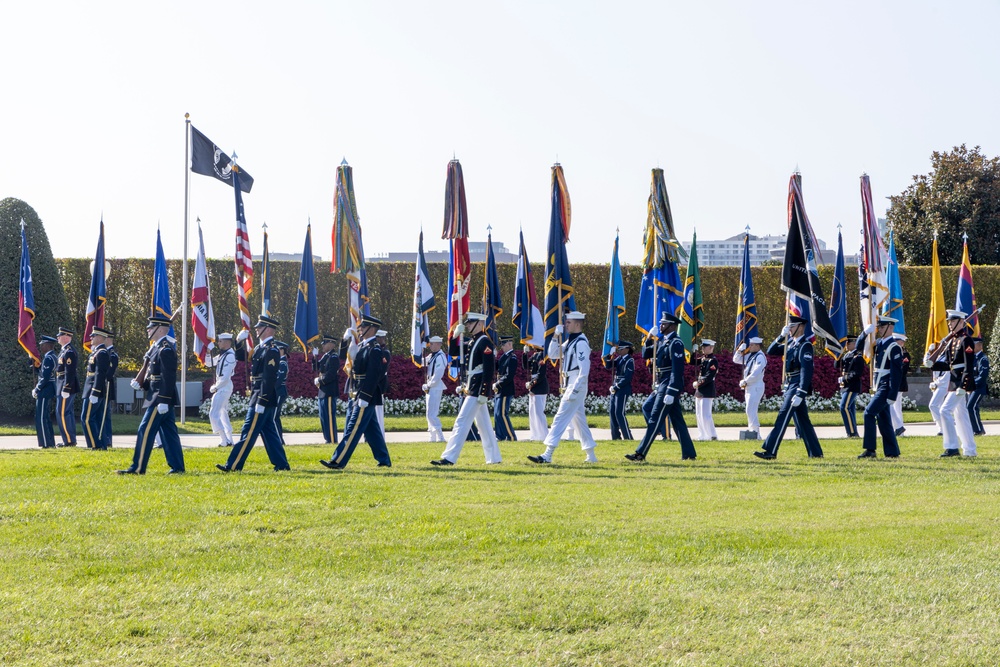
(852, 367)
(621, 389)
(263, 400)
(480, 365)
(435, 365)
(67, 386)
(896, 409)
(533, 360)
(958, 357)
(44, 393)
(160, 381)
(575, 355)
(112, 399)
(669, 364)
(282, 389)
(888, 375)
(503, 390)
(704, 391)
(222, 388)
(367, 370)
(798, 353)
(327, 367)
(754, 362)
(982, 380)
(95, 391)
(650, 348)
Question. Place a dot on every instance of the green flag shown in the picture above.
(690, 311)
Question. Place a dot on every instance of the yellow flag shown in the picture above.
(937, 324)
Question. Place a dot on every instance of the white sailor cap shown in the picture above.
(705, 342)
(885, 319)
(471, 316)
(957, 315)
(381, 333)
(225, 336)
(575, 315)
(756, 340)
(435, 339)
(899, 336)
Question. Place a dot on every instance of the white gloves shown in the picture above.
(362, 403)
(559, 330)
(482, 399)
(611, 390)
(65, 394)
(162, 408)
(932, 347)
(242, 336)
(315, 351)
(796, 401)
(932, 386)
(93, 399)
(348, 333)
(424, 387)
(214, 388)
(868, 330)
(695, 384)
(743, 384)
(928, 363)
(460, 329)
(34, 393)
(259, 409)
(742, 347)
(669, 399)
(459, 390)
(960, 392)
(316, 381)
(785, 330)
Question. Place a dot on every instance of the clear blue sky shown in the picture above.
(728, 98)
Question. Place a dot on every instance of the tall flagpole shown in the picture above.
(184, 269)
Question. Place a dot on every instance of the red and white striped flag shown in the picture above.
(202, 317)
(243, 259)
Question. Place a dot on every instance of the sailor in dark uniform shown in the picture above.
(982, 380)
(259, 420)
(112, 399)
(161, 384)
(620, 389)
(503, 390)
(533, 359)
(888, 376)
(326, 368)
(669, 363)
(282, 388)
(67, 386)
(95, 391)
(44, 392)
(798, 353)
(367, 371)
(852, 367)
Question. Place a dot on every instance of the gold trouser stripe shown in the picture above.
(104, 415)
(86, 425)
(505, 409)
(250, 435)
(347, 441)
(61, 405)
(144, 443)
(329, 417)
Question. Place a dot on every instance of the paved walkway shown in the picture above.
(210, 440)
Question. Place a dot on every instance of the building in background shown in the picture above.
(477, 253)
(729, 252)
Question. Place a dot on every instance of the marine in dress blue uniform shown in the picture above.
(623, 365)
(44, 393)
(112, 398)
(326, 368)
(888, 376)
(670, 361)
(798, 352)
(67, 386)
(503, 390)
(982, 380)
(282, 383)
(259, 421)
(161, 385)
(367, 371)
(851, 365)
(95, 391)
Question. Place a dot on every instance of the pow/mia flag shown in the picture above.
(208, 160)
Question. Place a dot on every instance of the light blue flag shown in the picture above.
(616, 305)
(893, 306)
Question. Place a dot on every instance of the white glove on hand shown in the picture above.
(362, 403)
(611, 390)
(424, 387)
(559, 330)
(785, 330)
(65, 394)
(34, 393)
(669, 400)
(960, 392)
(214, 388)
(743, 384)
(796, 401)
(348, 333)
(242, 336)
(932, 386)
(162, 408)
(459, 390)
(868, 330)
(527, 385)
(460, 329)
(135, 385)
(316, 381)
(742, 347)
(695, 384)
(482, 399)
(259, 409)
(315, 351)
(93, 399)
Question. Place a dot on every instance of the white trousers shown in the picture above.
(896, 411)
(937, 400)
(957, 425)
(703, 416)
(571, 412)
(753, 393)
(471, 411)
(218, 414)
(433, 420)
(536, 417)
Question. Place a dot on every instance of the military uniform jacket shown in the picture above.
(982, 373)
(624, 370)
(959, 359)
(670, 362)
(383, 385)
(327, 368)
(66, 378)
(753, 367)
(112, 374)
(98, 363)
(46, 385)
(706, 377)
(480, 363)
(534, 364)
(434, 369)
(161, 375)
(282, 377)
(264, 374)
(852, 368)
(575, 353)
(904, 385)
(888, 368)
(798, 362)
(506, 370)
(367, 370)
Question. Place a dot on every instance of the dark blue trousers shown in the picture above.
(106, 428)
(878, 412)
(647, 413)
(278, 427)
(258, 424)
(975, 398)
(152, 423)
(66, 419)
(92, 418)
(501, 418)
(848, 411)
(328, 418)
(43, 423)
(361, 422)
(619, 422)
(802, 423)
(657, 420)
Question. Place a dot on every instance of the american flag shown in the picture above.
(243, 258)
(202, 317)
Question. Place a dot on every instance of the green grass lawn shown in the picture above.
(723, 561)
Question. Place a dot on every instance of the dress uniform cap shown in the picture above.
(756, 340)
(795, 319)
(100, 331)
(159, 320)
(327, 338)
(435, 339)
(625, 343)
(706, 342)
(667, 318)
(575, 315)
(46, 339)
(474, 317)
(371, 321)
(66, 331)
(506, 339)
(224, 336)
(381, 333)
(265, 321)
(899, 337)
(957, 315)
(885, 319)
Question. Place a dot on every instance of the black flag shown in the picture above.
(208, 160)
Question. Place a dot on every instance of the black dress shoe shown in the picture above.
(901, 430)
(175, 472)
(221, 467)
(538, 459)
(690, 458)
(330, 464)
(442, 462)
(636, 456)
(384, 465)
(867, 454)
(948, 453)
(892, 456)
(277, 469)
(765, 455)
(127, 471)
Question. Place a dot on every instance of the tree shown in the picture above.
(960, 195)
(51, 308)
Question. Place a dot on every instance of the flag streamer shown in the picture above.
(661, 290)
(348, 250)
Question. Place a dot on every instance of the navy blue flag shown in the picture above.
(306, 312)
(558, 283)
(208, 160)
(492, 305)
